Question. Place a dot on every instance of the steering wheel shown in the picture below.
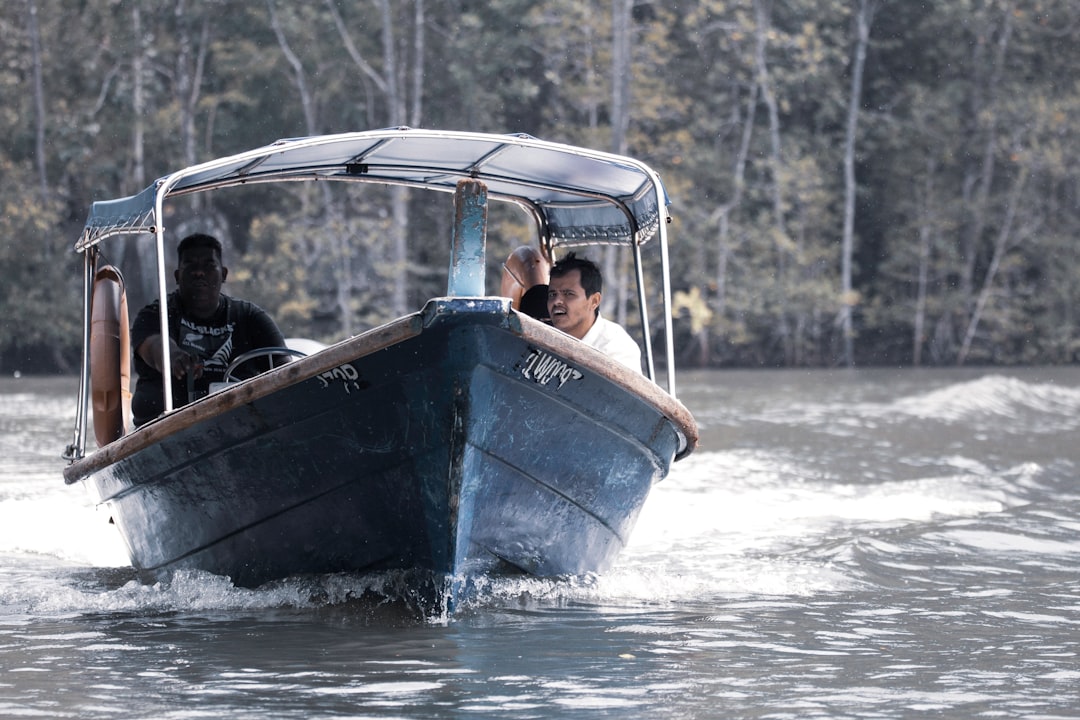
(258, 353)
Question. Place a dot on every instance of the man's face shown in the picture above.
(571, 310)
(199, 277)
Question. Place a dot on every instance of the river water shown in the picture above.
(847, 544)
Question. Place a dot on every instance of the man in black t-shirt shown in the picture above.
(207, 329)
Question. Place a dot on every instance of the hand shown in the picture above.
(183, 363)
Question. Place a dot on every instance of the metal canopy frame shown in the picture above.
(576, 196)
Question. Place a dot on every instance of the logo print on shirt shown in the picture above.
(193, 340)
(212, 345)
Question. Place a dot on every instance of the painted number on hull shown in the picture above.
(543, 368)
(344, 374)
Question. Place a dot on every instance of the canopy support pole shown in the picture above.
(163, 308)
(77, 449)
(468, 251)
(646, 334)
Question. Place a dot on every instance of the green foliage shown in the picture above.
(967, 206)
(41, 307)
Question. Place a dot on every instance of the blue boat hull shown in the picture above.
(463, 439)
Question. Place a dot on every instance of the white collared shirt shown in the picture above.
(611, 339)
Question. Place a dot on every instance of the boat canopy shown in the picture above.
(577, 196)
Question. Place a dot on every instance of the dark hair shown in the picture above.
(198, 240)
(591, 279)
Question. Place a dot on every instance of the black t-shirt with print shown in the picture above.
(237, 327)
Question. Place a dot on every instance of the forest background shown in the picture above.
(854, 182)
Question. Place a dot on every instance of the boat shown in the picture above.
(464, 439)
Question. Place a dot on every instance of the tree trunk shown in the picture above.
(927, 232)
(621, 17)
(307, 101)
(722, 215)
(143, 254)
(138, 101)
(621, 74)
(762, 22)
(336, 233)
(1000, 247)
(980, 179)
(419, 43)
(863, 19)
(34, 33)
(398, 112)
(399, 196)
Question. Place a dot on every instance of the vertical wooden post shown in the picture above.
(469, 250)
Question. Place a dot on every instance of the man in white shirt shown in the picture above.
(574, 306)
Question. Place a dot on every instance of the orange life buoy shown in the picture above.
(110, 356)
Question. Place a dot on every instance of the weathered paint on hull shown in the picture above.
(463, 449)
